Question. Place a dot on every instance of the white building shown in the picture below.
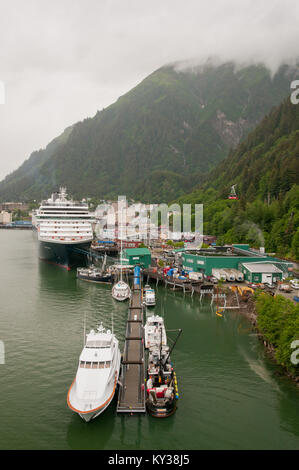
(5, 217)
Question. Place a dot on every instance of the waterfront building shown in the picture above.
(261, 272)
(5, 217)
(228, 257)
(140, 256)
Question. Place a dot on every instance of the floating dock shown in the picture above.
(131, 395)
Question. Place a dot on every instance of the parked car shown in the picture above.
(285, 288)
(295, 283)
(256, 286)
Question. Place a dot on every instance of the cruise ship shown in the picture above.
(64, 229)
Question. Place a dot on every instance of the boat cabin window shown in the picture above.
(98, 344)
(95, 365)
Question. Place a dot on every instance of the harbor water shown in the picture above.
(231, 396)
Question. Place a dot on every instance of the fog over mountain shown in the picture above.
(62, 61)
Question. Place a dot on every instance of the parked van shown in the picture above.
(195, 276)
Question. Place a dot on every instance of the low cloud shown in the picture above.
(61, 61)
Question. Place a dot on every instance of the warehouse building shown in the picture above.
(232, 257)
(140, 256)
(261, 272)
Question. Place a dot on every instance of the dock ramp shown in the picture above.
(131, 395)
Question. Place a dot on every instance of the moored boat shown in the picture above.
(161, 384)
(93, 274)
(154, 332)
(95, 383)
(121, 291)
(149, 296)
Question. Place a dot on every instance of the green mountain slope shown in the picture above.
(265, 168)
(158, 140)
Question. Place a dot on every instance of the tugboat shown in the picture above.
(161, 385)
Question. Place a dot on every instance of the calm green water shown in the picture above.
(230, 396)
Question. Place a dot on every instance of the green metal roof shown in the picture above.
(137, 251)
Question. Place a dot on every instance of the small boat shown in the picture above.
(161, 385)
(95, 383)
(149, 296)
(154, 332)
(121, 291)
(93, 274)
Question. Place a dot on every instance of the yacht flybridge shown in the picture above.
(64, 229)
(94, 386)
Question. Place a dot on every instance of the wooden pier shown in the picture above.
(202, 288)
(131, 395)
(190, 286)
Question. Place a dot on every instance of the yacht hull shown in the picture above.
(89, 416)
(98, 408)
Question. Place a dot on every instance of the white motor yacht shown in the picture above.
(95, 383)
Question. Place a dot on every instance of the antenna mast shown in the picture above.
(121, 244)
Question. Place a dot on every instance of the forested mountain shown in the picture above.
(265, 168)
(157, 141)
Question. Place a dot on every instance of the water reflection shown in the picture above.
(93, 435)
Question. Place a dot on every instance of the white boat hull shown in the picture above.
(97, 408)
(121, 291)
(95, 383)
(89, 416)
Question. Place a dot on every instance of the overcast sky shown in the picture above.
(62, 60)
